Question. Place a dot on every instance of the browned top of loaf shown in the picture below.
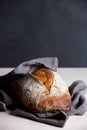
(45, 76)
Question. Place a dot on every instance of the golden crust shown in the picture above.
(45, 76)
(55, 103)
(48, 101)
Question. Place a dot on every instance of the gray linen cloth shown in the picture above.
(8, 101)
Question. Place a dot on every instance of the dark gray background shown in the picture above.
(43, 28)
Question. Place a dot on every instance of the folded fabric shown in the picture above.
(77, 90)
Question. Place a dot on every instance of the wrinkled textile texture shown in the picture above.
(7, 101)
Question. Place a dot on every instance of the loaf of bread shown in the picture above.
(42, 90)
